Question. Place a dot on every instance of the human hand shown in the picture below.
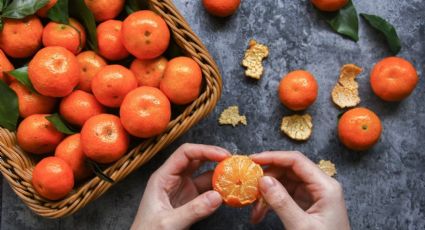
(299, 192)
(173, 199)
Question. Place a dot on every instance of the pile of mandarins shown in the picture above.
(108, 102)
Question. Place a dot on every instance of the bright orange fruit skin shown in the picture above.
(5, 66)
(104, 139)
(359, 129)
(32, 103)
(70, 150)
(145, 34)
(329, 5)
(149, 72)
(105, 9)
(72, 37)
(393, 79)
(182, 80)
(37, 135)
(112, 83)
(145, 112)
(109, 39)
(52, 178)
(79, 106)
(298, 90)
(43, 11)
(90, 65)
(236, 179)
(21, 38)
(54, 71)
(221, 8)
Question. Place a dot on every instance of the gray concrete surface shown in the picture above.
(384, 187)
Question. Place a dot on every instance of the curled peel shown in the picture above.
(297, 127)
(327, 167)
(253, 58)
(231, 116)
(346, 91)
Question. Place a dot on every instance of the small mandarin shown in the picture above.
(90, 65)
(149, 72)
(72, 36)
(109, 39)
(298, 90)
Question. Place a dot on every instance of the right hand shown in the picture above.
(299, 192)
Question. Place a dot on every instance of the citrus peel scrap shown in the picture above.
(253, 58)
(231, 116)
(297, 127)
(345, 94)
(327, 167)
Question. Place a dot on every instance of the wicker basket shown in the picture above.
(16, 166)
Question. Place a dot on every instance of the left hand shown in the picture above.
(173, 199)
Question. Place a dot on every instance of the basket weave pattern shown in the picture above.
(16, 165)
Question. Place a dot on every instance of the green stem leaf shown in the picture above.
(385, 28)
(79, 10)
(19, 9)
(60, 124)
(98, 171)
(21, 75)
(59, 12)
(344, 21)
(132, 6)
(9, 108)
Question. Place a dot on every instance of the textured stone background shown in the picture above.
(384, 187)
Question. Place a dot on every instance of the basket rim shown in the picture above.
(16, 166)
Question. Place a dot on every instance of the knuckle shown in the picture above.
(185, 146)
(335, 188)
(163, 224)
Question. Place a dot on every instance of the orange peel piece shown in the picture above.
(254, 56)
(297, 127)
(345, 94)
(327, 167)
(231, 116)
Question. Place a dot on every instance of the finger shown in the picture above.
(195, 210)
(281, 202)
(181, 158)
(301, 166)
(203, 182)
(259, 211)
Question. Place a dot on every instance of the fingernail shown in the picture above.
(214, 198)
(266, 183)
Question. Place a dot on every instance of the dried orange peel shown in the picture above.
(253, 59)
(297, 127)
(346, 92)
(231, 116)
(236, 179)
(327, 167)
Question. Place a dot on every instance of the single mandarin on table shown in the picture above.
(298, 90)
(149, 72)
(72, 36)
(236, 179)
(90, 65)
(37, 135)
(329, 5)
(109, 39)
(145, 34)
(221, 8)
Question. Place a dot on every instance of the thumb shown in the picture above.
(197, 209)
(281, 202)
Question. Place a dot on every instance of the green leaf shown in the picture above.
(98, 171)
(9, 108)
(60, 124)
(79, 10)
(21, 75)
(385, 28)
(19, 9)
(59, 12)
(132, 6)
(344, 21)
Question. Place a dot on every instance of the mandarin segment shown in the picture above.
(236, 179)
(346, 92)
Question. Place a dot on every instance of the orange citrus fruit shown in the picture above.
(329, 5)
(79, 106)
(236, 179)
(359, 129)
(90, 65)
(37, 135)
(105, 9)
(221, 8)
(112, 83)
(72, 36)
(149, 72)
(145, 112)
(104, 139)
(5, 66)
(30, 103)
(298, 90)
(70, 150)
(145, 34)
(182, 80)
(43, 11)
(52, 178)
(393, 79)
(109, 39)
(54, 71)
(21, 38)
